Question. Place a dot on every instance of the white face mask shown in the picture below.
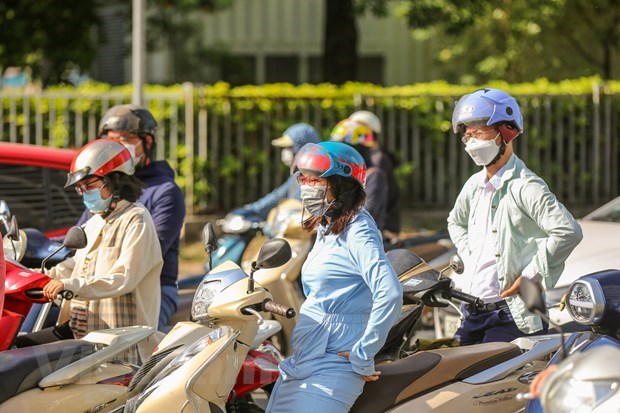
(314, 199)
(287, 156)
(482, 152)
(132, 150)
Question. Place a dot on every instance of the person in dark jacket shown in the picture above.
(135, 127)
(361, 137)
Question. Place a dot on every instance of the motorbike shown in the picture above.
(238, 228)
(482, 378)
(229, 302)
(30, 248)
(284, 221)
(587, 376)
(33, 375)
(24, 287)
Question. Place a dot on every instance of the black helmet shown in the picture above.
(130, 118)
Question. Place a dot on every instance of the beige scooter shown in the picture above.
(283, 282)
(478, 378)
(201, 377)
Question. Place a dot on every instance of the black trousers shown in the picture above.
(47, 335)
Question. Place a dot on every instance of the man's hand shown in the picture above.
(52, 289)
(514, 289)
(373, 377)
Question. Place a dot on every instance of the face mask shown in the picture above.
(482, 152)
(287, 156)
(94, 202)
(132, 150)
(313, 199)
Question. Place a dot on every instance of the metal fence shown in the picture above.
(221, 147)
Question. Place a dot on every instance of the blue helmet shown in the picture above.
(296, 136)
(331, 158)
(489, 107)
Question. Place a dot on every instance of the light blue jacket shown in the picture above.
(289, 189)
(353, 299)
(530, 229)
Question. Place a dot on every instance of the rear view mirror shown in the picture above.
(274, 253)
(209, 239)
(532, 296)
(457, 265)
(5, 214)
(75, 238)
(14, 244)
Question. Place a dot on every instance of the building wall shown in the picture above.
(283, 41)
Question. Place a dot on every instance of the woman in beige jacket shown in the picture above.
(115, 278)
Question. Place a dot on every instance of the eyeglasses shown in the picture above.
(310, 181)
(122, 137)
(481, 135)
(86, 187)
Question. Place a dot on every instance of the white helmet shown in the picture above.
(368, 118)
(100, 158)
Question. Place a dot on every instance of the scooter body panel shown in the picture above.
(208, 377)
(71, 399)
(492, 397)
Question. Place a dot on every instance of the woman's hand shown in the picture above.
(53, 288)
(373, 377)
(538, 381)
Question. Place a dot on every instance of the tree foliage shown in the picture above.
(520, 40)
(51, 37)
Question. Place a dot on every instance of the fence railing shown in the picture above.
(221, 147)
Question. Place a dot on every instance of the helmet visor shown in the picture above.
(471, 112)
(74, 177)
(315, 160)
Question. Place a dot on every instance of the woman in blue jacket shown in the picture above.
(353, 294)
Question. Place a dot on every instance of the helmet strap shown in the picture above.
(500, 153)
(115, 198)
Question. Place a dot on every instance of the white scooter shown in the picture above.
(201, 377)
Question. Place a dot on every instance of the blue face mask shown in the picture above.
(94, 202)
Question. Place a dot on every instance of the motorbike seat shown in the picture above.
(426, 370)
(23, 368)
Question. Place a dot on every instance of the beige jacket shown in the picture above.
(116, 276)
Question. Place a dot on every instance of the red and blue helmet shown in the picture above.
(489, 107)
(330, 158)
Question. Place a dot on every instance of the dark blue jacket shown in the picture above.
(164, 200)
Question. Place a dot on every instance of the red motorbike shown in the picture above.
(24, 287)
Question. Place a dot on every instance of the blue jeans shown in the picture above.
(169, 302)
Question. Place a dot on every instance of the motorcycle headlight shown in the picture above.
(132, 404)
(282, 219)
(235, 224)
(205, 293)
(585, 302)
(578, 396)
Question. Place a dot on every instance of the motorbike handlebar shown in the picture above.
(459, 295)
(38, 293)
(273, 307)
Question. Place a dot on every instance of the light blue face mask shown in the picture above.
(94, 202)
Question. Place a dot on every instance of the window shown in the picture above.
(282, 69)
(37, 197)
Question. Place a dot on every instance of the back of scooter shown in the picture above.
(200, 379)
(498, 396)
(68, 399)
